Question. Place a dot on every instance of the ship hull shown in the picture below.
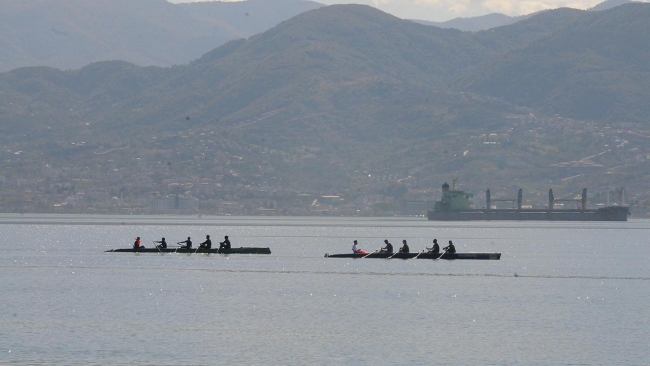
(612, 213)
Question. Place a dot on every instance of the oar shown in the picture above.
(154, 244)
(393, 255)
(416, 257)
(443, 253)
(370, 253)
(197, 249)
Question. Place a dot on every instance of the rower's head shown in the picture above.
(435, 241)
(163, 239)
(188, 238)
(225, 237)
(137, 238)
(404, 241)
(207, 236)
(386, 241)
(355, 242)
(450, 242)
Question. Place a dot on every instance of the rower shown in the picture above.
(435, 249)
(357, 251)
(388, 248)
(450, 248)
(225, 244)
(162, 245)
(404, 248)
(188, 244)
(207, 244)
(136, 244)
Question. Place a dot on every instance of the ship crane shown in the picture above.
(489, 199)
(582, 202)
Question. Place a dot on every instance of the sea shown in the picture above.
(563, 293)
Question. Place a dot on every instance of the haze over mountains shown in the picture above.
(351, 101)
(69, 34)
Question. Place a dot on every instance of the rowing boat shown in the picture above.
(493, 255)
(242, 250)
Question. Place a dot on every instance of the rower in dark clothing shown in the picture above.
(435, 249)
(225, 244)
(388, 248)
(450, 248)
(404, 248)
(188, 244)
(162, 244)
(136, 244)
(207, 244)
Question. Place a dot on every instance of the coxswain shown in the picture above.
(136, 243)
(450, 248)
(435, 249)
(188, 244)
(356, 250)
(388, 248)
(162, 243)
(225, 244)
(404, 248)
(207, 244)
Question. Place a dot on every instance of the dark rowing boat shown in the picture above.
(242, 250)
(495, 256)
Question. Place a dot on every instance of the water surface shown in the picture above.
(562, 293)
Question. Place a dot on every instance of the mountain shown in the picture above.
(335, 46)
(322, 68)
(343, 99)
(69, 34)
(593, 68)
(475, 24)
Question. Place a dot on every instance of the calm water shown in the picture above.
(562, 294)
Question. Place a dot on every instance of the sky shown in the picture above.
(441, 10)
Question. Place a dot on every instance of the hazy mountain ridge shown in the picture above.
(73, 33)
(495, 20)
(520, 34)
(609, 4)
(479, 23)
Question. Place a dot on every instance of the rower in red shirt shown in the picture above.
(136, 243)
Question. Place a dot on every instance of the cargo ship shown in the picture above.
(455, 206)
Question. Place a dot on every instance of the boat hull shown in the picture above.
(612, 213)
(242, 250)
(475, 256)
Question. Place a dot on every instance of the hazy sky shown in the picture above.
(438, 10)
